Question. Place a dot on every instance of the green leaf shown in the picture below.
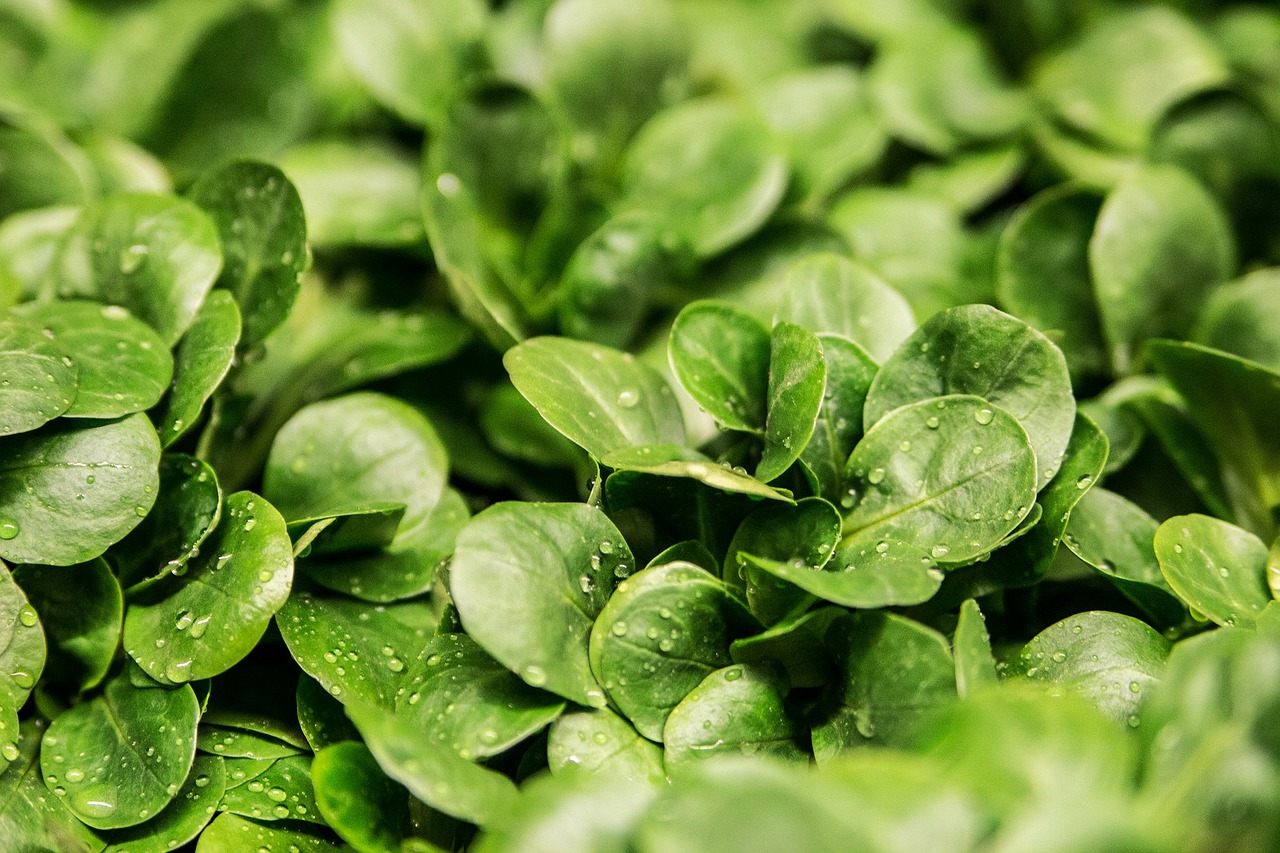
(202, 360)
(663, 631)
(280, 791)
(43, 168)
(320, 716)
(155, 256)
(339, 643)
(30, 242)
(91, 486)
(356, 195)
(183, 819)
(231, 833)
(122, 365)
(81, 611)
(894, 673)
(978, 350)
(1186, 447)
(22, 660)
(826, 293)
(454, 226)
(807, 533)
(669, 460)
(364, 450)
(613, 276)
(1239, 318)
(357, 800)
(29, 814)
(715, 193)
(103, 754)
(187, 510)
(414, 57)
(975, 665)
(721, 356)
(1107, 659)
(600, 399)
(264, 241)
(955, 475)
(1115, 80)
(566, 558)
(610, 67)
(359, 529)
(1043, 276)
(738, 709)
(217, 611)
(825, 119)
(939, 91)
(910, 578)
(433, 773)
(569, 813)
(1115, 536)
(1215, 567)
(973, 180)
(469, 701)
(605, 744)
(1232, 401)
(795, 644)
(797, 380)
(1151, 281)
(37, 377)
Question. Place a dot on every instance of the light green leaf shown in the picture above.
(433, 773)
(711, 168)
(978, 350)
(413, 56)
(894, 674)
(105, 757)
(738, 709)
(1160, 243)
(566, 558)
(216, 612)
(1215, 567)
(797, 380)
(975, 665)
(470, 702)
(90, 487)
(827, 293)
(662, 632)
(37, 376)
(22, 660)
(202, 360)
(357, 800)
(669, 460)
(605, 744)
(600, 399)
(157, 256)
(1107, 659)
(122, 366)
(721, 356)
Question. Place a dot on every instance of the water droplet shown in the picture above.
(939, 551)
(27, 616)
(199, 626)
(1060, 657)
(202, 781)
(876, 476)
(1084, 482)
(733, 673)
(619, 628)
(140, 511)
(10, 752)
(249, 525)
(627, 398)
(882, 547)
(984, 416)
(178, 672)
(535, 675)
(606, 547)
(277, 795)
(1224, 571)
(8, 529)
(904, 446)
(1135, 687)
(1134, 722)
(395, 664)
(184, 620)
(1177, 549)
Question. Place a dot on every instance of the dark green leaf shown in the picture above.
(22, 659)
(975, 665)
(187, 510)
(264, 241)
(202, 360)
(81, 610)
(600, 741)
(183, 819)
(722, 356)
(797, 380)
(1215, 567)
(738, 709)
